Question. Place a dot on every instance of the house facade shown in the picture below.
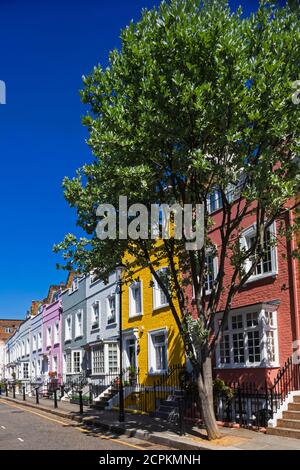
(152, 343)
(7, 329)
(264, 319)
(52, 344)
(74, 328)
(102, 335)
(36, 340)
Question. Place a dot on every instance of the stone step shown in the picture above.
(296, 399)
(166, 408)
(288, 423)
(294, 406)
(170, 403)
(291, 415)
(284, 432)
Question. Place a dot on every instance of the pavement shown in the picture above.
(146, 428)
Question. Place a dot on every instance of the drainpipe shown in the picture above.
(295, 281)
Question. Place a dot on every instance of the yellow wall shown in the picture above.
(151, 320)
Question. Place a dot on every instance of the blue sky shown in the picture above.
(45, 48)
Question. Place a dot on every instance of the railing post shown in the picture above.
(55, 398)
(62, 391)
(14, 391)
(6, 390)
(24, 395)
(90, 394)
(37, 396)
(181, 418)
(80, 402)
(240, 405)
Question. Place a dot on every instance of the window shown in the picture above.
(113, 358)
(48, 338)
(98, 360)
(76, 362)
(68, 329)
(78, 325)
(249, 339)
(210, 272)
(25, 370)
(159, 297)
(23, 349)
(68, 363)
(34, 343)
(158, 350)
(214, 201)
(94, 277)
(75, 284)
(135, 299)
(56, 333)
(95, 315)
(27, 351)
(268, 264)
(111, 309)
(54, 364)
(8, 329)
(55, 296)
(39, 340)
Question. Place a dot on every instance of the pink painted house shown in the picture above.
(52, 347)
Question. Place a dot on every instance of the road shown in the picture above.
(29, 429)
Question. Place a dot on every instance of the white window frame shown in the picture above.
(55, 363)
(56, 332)
(101, 347)
(152, 370)
(78, 325)
(68, 337)
(49, 337)
(157, 291)
(93, 316)
(263, 328)
(40, 340)
(217, 200)
(108, 309)
(245, 238)
(80, 359)
(27, 370)
(132, 303)
(34, 343)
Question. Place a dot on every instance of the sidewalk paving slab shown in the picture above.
(147, 428)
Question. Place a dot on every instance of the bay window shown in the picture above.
(98, 366)
(249, 338)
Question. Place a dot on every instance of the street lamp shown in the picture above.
(119, 274)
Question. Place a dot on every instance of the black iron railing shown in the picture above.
(287, 380)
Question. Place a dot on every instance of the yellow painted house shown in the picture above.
(151, 340)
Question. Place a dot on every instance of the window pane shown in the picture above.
(98, 360)
(225, 350)
(254, 346)
(252, 319)
(238, 348)
(237, 322)
(271, 346)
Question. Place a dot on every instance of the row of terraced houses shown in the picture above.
(74, 332)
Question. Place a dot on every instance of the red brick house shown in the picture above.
(263, 323)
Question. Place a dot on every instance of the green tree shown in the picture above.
(198, 99)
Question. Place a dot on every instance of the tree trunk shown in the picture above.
(205, 388)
